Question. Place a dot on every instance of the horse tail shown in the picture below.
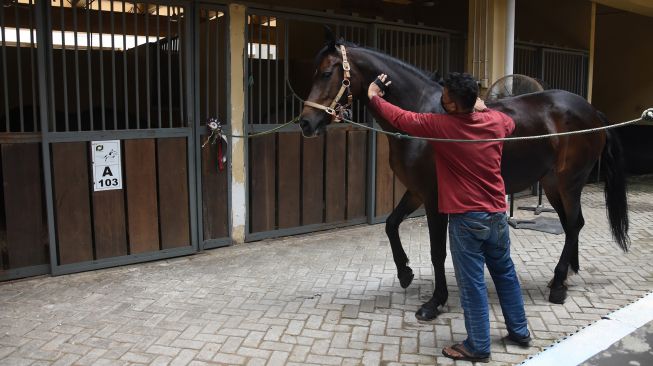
(615, 187)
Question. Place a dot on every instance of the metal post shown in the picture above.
(510, 36)
(187, 44)
(43, 40)
(371, 155)
(195, 106)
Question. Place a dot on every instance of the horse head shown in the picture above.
(343, 72)
(336, 82)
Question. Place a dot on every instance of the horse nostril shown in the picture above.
(303, 123)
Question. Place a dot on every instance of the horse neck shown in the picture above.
(410, 90)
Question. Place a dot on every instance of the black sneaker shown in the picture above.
(520, 341)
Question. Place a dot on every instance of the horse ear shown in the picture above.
(329, 37)
(437, 77)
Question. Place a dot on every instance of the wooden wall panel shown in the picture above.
(336, 160)
(356, 174)
(70, 167)
(141, 190)
(313, 180)
(215, 195)
(262, 191)
(289, 179)
(27, 237)
(172, 162)
(109, 223)
(384, 177)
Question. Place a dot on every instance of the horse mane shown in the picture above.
(431, 78)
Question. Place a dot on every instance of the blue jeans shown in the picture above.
(478, 238)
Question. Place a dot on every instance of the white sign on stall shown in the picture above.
(107, 167)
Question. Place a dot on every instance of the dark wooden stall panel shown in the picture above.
(72, 207)
(109, 223)
(262, 195)
(356, 174)
(215, 195)
(26, 232)
(172, 162)
(336, 160)
(110, 234)
(384, 177)
(313, 180)
(141, 190)
(289, 179)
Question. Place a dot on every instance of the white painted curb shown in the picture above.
(596, 337)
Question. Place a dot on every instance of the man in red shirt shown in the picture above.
(472, 192)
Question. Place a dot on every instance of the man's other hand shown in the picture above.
(376, 89)
(480, 105)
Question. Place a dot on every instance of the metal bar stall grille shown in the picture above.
(279, 207)
(297, 184)
(118, 47)
(24, 244)
(429, 51)
(566, 70)
(554, 67)
(112, 58)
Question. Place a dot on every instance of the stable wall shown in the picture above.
(623, 77)
(445, 14)
(623, 80)
(562, 23)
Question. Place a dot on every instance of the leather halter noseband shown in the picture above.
(335, 109)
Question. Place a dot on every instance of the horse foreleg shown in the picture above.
(408, 204)
(438, 237)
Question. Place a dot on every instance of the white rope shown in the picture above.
(400, 135)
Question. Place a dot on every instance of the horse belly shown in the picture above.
(524, 163)
(413, 163)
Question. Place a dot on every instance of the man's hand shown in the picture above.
(375, 89)
(480, 105)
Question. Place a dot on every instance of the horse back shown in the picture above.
(551, 111)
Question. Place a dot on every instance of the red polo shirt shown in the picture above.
(469, 174)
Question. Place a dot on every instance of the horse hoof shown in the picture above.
(405, 277)
(427, 313)
(558, 295)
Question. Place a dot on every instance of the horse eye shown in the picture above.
(326, 74)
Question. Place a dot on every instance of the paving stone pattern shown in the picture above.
(329, 298)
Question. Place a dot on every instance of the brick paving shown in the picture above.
(329, 298)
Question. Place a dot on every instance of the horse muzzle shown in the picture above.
(310, 130)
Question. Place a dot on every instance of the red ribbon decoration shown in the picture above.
(220, 164)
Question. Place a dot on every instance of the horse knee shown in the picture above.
(392, 225)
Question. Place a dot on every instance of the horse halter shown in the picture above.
(338, 111)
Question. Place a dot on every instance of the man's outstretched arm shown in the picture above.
(415, 124)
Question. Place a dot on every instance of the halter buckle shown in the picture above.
(330, 111)
(345, 66)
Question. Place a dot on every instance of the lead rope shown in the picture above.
(646, 116)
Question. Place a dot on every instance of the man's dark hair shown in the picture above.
(463, 89)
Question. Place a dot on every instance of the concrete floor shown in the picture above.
(325, 298)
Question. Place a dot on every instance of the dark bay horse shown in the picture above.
(561, 164)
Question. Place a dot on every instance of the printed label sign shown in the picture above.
(107, 167)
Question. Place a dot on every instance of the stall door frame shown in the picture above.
(50, 138)
(205, 177)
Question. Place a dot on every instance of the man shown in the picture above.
(472, 192)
